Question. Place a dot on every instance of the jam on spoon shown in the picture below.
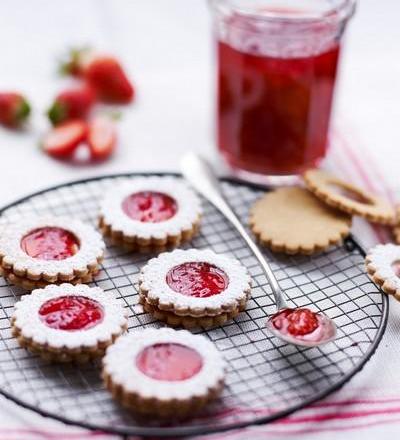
(302, 325)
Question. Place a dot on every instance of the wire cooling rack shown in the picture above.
(266, 378)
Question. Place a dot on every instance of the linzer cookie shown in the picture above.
(348, 198)
(383, 267)
(163, 373)
(150, 213)
(194, 288)
(293, 221)
(68, 323)
(45, 250)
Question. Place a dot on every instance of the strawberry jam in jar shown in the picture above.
(277, 64)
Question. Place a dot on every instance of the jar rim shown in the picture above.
(344, 10)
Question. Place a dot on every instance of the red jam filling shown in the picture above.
(296, 322)
(71, 313)
(197, 279)
(50, 243)
(149, 206)
(169, 362)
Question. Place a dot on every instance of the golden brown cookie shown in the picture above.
(28, 284)
(163, 372)
(293, 221)
(348, 198)
(37, 251)
(68, 323)
(174, 320)
(194, 288)
(150, 213)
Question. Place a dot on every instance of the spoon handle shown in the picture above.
(200, 174)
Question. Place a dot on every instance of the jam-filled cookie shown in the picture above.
(150, 213)
(163, 373)
(38, 251)
(194, 288)
(383, 267)
(68, 323)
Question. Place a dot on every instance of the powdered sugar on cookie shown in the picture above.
(155, 288)
(29, 325)
(383, 266)
(120, 366)
(13, 257)
(188, 208)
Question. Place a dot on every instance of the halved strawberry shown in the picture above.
(14, 109)
(72, 103)
(102, 137)
(63, 140)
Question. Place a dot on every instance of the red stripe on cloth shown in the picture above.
(380, 177)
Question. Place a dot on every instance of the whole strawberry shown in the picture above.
(14, 109)
(72, 103)
(103, 73)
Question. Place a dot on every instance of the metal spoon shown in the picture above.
(202, 177)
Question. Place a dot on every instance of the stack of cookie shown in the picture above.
(194, 288)
(298, 220)
(46, 250)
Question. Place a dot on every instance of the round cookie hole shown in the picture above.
(169, 362)
(149, 206)
(197, 279)
(50, 243)
(350, 194)
(72, 312)
(396, 267)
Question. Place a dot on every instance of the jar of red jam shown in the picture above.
(277, 64)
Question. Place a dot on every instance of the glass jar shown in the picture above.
(277, 65)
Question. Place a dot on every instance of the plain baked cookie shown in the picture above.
(293, 221)
(348, 198)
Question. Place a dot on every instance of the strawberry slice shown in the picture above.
(63, 140)
(14, 109)
(72, 103)
(102, 137)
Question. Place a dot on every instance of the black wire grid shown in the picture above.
(266, 378)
